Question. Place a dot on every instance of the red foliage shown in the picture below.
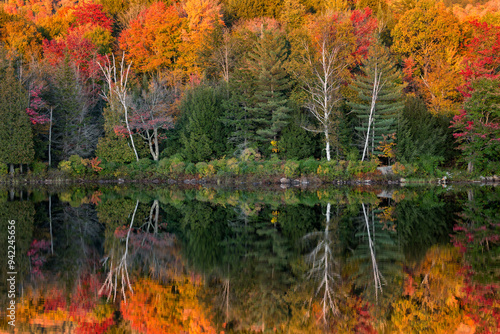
(36, 104)
(37, 256)
(91, 14)
(90, 327)
(81, 52)
(364, 25)
(481, 59)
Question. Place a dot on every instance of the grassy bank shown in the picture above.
(234, 171)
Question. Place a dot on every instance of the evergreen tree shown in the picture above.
(378, 104)
(421, 133)
(203, 135)
(238, 114)
(297, 143)
(75, 128)
(266, 62)
(259, 108)
(16, 136)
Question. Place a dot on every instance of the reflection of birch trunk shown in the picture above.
(152, 222)
(119, 270)
(225, 296)
(377, 276)
(50, 225)
(323, 266)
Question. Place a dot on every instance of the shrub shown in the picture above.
(291, 168)
(403, 170)
(309, 166)
(78, 166)
(191, 168)
(65, 166)
(38, 168)
(3, 169)
(250, 154)
(142, 165)
(233, 166)
(428, 163)
(205, 169)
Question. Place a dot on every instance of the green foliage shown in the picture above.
(291, 168)
(16, 136)
(309, 166)
(38, 168)
(379, 69)
(115, 149)
(203, 135)
(478, 126)
(191, 168)
(422, 134)
(142, 165)
(3, 169)
(297, 143)
(429, 163)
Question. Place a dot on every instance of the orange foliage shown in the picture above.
(166, 309)
(153, 38)
(203, 16)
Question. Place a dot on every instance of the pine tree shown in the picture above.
(379, 100)
(259, 108)
(203, 135)
(266, 62)
(16, 135)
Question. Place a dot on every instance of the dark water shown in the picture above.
(123, 259)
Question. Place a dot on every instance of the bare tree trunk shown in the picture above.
(470, 167)
(50, 138)
(327, 139)
(50, 225)
(375, 92)
(11, 169)
(119, 87)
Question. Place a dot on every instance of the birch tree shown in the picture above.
(325, 62)
(378, 103)
(151, 113)
(117, 87)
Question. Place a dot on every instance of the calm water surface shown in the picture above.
(124, 259)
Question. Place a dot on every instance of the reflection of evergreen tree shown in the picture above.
(22, 212)
(77, 239)
(203, 228)
(377, 258)
(423, 221)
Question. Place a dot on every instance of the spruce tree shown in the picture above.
(16, 135)
(266, 62)
(203, 135)
(258, 109)
(379, 100)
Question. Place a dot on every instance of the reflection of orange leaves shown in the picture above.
(171, 308)
(409, 286)
(95, 198)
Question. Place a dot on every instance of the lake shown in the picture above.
(163, 259)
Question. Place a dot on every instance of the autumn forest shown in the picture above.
(202, 87)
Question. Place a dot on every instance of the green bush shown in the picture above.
(191, 169)
(330, 169)
(428, 164)
(142, 165)
(38, 168)
(77, 165)
(232, 166)
(309, 166)
(291, 168)
(177, 165)
(3, 169)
